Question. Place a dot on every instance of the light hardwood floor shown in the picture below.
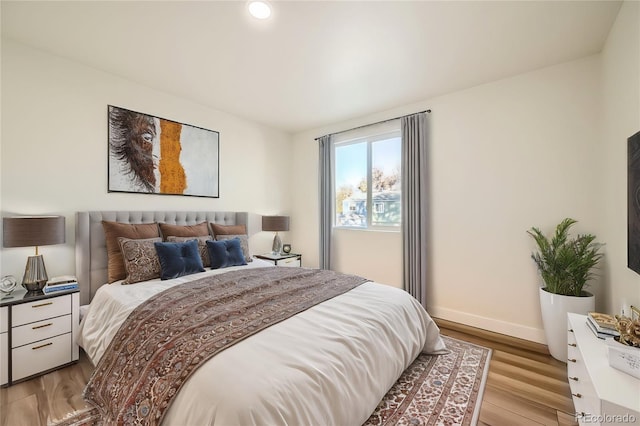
(525, 386)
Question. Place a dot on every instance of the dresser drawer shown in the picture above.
(40, 310)
(585, 399)
(41, 356)
(291, 262)
(41, 330)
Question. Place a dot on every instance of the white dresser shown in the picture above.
(601, 394)
(37, 333)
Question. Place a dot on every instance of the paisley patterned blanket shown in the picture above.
(166, 339)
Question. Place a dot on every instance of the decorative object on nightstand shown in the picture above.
(61, 283)
(275, 224)
(286, 248)
(8, 283)
(29, 231)
(566, 265)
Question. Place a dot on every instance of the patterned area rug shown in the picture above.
(438, 389)
(434, 390)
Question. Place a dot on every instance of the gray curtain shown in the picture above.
(326, 201)
(415, 206)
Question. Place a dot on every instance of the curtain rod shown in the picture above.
(428, 111)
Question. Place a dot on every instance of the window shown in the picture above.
(366, 181)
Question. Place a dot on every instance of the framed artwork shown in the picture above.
(154, 155)
(633, 203)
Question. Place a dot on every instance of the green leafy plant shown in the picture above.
(566, 264)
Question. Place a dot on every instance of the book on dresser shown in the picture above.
(603, 325)
(598, 334)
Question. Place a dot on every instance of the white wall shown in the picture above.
(505, 156)
(621, 100)
(54, 151)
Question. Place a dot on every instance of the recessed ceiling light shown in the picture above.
(259, 9)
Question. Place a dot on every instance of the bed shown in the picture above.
(328, 364)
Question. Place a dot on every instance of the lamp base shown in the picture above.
(35, 274)
(277, 245)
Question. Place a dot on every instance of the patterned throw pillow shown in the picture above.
(225, 253)
(244, 244)
(202, 246)
(140, 259)
(178, 259)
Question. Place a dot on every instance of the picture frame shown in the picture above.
(153, 155)
(633, 202)
(286, 248)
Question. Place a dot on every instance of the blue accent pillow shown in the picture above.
(178, 259)
(225, 253)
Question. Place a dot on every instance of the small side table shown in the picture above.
(36, 333)
(288, 260)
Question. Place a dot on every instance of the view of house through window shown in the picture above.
(367, 184)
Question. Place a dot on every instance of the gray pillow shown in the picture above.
(202, 246)
(244, 244)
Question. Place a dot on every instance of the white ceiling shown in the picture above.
(313, 63)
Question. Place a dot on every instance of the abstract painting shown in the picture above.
(154, 155)
(633, 203)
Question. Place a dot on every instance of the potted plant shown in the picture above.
(566, 265)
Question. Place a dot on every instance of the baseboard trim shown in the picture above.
(492, 336)
(491, 324)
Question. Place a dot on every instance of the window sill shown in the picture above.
(354, 229)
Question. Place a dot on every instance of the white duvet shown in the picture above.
(329, 365)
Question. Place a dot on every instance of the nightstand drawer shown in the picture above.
(41, 356)
(4, 319)
(40, 310)
(4, 353)
(290, 262)
(41, 330)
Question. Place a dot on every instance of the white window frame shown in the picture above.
(381, 132)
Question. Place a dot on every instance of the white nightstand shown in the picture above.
(601, 394)
(290, 260)
(37, 333)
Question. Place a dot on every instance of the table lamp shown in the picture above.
(277, 224)
(28, 231)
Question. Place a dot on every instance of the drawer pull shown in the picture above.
(42, 304)
(42, 346)
(571, 330)
(577, 395)
(571, 360)
(42, 326)
(573, 345)
(573, 378)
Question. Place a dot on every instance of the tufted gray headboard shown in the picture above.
(91, 249)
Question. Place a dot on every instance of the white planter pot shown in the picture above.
(554, 308)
